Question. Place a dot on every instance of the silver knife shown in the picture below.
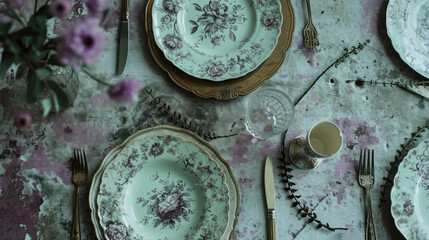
(269, 196)
(123, 38)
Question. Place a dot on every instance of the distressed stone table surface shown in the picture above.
(36, 193)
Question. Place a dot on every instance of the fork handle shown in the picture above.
(75, 233)
(369, 229)
(309, 10)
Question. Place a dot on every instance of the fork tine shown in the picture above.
(360, 163)
(85, 162)
(81, 161)
(74, 162)
(372, 162)
(365, 159)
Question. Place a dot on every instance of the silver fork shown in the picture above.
(79, 177)
(311, 39)
(366, 180)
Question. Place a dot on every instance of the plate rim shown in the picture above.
(274, 39)
(398, 45)
(117, 149)
(395, 188)
(233, 88)
(106, 177)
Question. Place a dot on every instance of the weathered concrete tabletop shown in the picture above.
(36, 193)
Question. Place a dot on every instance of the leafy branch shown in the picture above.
(180, 121)
(361, 82)
(303, 209)
(347, 53)
(401, 153)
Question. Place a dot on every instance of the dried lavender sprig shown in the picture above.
(401, 153)
(180, 121)
(303, 209)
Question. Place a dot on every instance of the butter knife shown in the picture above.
(123, 38)
(269, 196)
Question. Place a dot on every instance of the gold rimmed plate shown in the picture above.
(232, 88)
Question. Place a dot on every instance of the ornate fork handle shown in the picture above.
(369, 229)
(75, 234)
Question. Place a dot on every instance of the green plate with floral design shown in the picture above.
(167, 184)
(216, 39)
(407, 24)
(410, 194)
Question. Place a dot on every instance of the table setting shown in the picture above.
(214, 119)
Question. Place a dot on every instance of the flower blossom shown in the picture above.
(82, 44)
(95, 7)
(23, 120)
(14, 3)
(61, 8)
(125, 90)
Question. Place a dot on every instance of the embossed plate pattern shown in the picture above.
(410, 194)
(228, 89)
(172, 198)
(408, 27)
(216, 39)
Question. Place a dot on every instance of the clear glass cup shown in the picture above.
(269, 112)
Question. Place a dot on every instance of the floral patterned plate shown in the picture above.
(408, 27)
(158, 187)
(410, 194)
(216, 39)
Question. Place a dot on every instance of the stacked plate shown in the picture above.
(410, 194)
(217, 48)
(408, 27)
(164, 183)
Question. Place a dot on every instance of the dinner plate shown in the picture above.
(216, 39)
(232, 88)
(410, 194)
(169, 206)
(408, 27)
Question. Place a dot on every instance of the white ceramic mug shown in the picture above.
(323, 140)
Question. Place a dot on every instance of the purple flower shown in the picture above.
(82, 44)
(170, 6)
(125, 90)
(270, 20)
(216, 69)
(170, 207)
(23, 120)
(14, 3)
(4, 18)
(116, 232)
(95, 7)
(61, 8)
(172, 42)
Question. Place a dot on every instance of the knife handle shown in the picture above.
(271, 224)
(126, 12)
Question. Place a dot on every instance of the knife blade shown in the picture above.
(270, 198)
(123, 38)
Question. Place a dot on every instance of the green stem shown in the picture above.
(35, 7)
(95, 78)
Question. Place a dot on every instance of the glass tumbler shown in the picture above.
(269, 112)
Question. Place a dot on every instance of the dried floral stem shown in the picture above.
(180, 121)
(401, 153)
(391, 84)
(347, 53)
(303, 210)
